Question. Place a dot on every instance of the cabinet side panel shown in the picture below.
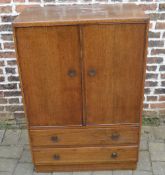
(115, 52)
(45, 55)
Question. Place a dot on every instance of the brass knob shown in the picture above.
(92, 72)
(54, 138)
(56, 157)
(115, 136)
(72, 73)
(114, 155)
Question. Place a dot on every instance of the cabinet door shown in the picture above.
(49, 62)
(113, 68)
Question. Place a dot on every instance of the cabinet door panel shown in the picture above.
(45, 55)
(115, 54)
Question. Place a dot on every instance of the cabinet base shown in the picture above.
(87, 167)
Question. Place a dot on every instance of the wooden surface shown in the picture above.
(87, 167)
(84, 155)
(52, 97)
(116, 52)
(80, 14)
(84, 136)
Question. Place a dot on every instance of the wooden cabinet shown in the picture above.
(82, 70)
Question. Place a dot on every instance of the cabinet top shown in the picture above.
(80, 14)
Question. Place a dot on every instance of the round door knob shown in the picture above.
(72, 73)
(114, 155)
(115, 136)
(54, 138)
(56, 157)
(92, 72)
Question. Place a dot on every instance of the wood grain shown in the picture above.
(84, 155)
(52, 97)
(87, 167)
(116, 52)
(80, 14)
(84, 136)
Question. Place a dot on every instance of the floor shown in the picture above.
(15, 156)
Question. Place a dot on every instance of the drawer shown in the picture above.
(84, 155)
(85, 136)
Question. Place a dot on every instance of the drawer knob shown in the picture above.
(56, 157)
(92, 72)
(114, 155)
(54, 138)
(115, 136)
(72, 73)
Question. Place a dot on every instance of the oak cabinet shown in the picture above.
(82, 70)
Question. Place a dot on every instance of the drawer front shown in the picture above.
(84, 155)
(85, 136)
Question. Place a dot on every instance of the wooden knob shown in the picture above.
(56, 157)
(114, 155)
(72, 73)
(92, 72)
(115, 136)
(54, 138)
